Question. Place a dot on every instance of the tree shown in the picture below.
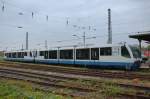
(148, 47)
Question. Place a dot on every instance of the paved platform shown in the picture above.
(145, 66)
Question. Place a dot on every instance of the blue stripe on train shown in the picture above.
(91, 64)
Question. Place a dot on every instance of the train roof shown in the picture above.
(65, 48)
(18, 51)
(108, 45)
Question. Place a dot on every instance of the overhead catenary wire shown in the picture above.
(13, 25)
(10, 25)
(33, 13)
(99, 36)
(30, 11)
(47, 17)
(3, 6)
(116, 34)
(69, 23)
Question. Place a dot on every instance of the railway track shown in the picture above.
(56, 78)
(87, 72)
(44, 86)
(41, 79)
(48, 80)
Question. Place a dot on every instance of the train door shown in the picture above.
(34, 54)
(94, 53)
(46, 55)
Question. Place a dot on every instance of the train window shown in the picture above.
(30, 54)
(94, 53)
(136, 51)
(46, 55)
(41, 53)
(107, 51)
(34, 53)
(66, 54)
(25, 53)
(83, 54)
(22, 54)
(14, 55)
(5, 54)
(52, 54)
(19, 55)
(9, 55)
(125, 52)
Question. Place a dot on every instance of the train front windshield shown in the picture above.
(135, 51)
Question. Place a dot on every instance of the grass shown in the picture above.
(1, 58)
(106, 92)
(14, 89)
(11, 89)
(106, 87)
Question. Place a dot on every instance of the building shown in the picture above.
(146, 53)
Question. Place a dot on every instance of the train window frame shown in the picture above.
(68, 54)
(106, 51)
(82, 56)
(95, 56)
(52, 54)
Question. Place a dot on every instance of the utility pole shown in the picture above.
(84, 39)
(27, 41)
(22, 47)
(109, 27)
(46, 44)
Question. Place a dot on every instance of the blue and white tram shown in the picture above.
(112, 56)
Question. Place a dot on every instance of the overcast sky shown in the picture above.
(128, 16)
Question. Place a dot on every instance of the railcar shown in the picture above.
(114, 56)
